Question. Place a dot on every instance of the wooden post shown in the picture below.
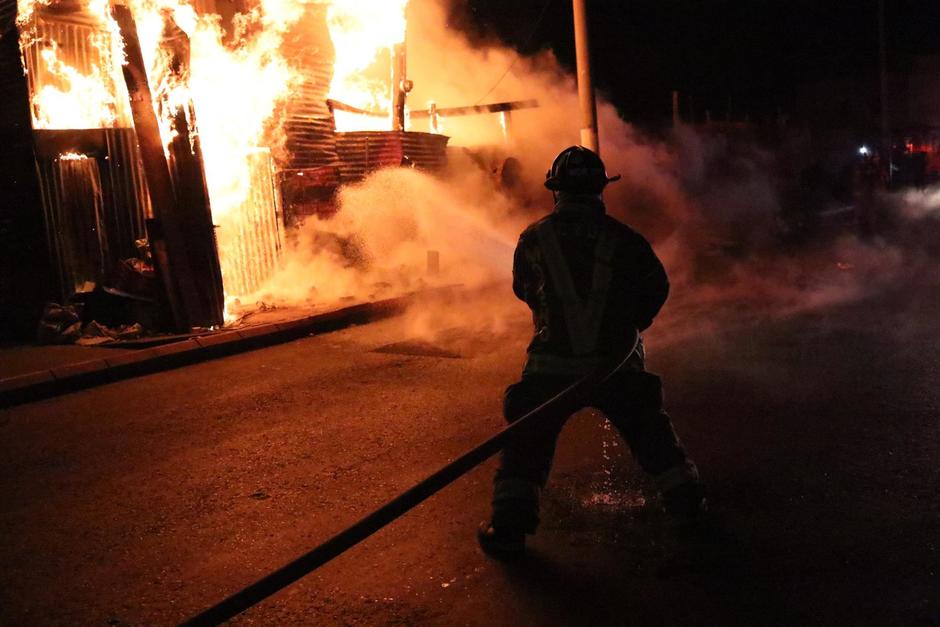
(160, 230)
(195, 219)
(177, 248)
(432, 118)
(886, 152)
(400, 86)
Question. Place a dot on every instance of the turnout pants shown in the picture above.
(631, 400)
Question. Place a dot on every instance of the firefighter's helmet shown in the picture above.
(578, 170)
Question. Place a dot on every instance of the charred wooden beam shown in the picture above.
(497, 107)
(400, 87)
(336, 105)
(162, 230)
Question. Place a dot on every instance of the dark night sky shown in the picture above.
(756, 51)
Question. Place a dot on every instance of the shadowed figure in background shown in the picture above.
(592, 284)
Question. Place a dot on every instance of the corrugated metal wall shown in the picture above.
(104, 192)
(362, 152)
(251, 238)
(198, 250)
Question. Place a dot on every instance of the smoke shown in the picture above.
(388, 226)
(920, 204)
(712, 203)
(378, 242)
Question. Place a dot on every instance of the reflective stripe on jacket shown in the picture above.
(589, 280)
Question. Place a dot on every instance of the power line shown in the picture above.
(528, 40)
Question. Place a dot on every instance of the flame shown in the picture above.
(234, 83)
(235, 88)
(71, 99)
(233, 78)
(364, 34)
(72, 156)
(72, 89)
(25, 9)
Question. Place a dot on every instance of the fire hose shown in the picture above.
(565, 402)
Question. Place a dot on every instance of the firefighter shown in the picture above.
(592, 284)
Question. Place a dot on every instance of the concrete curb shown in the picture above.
(60, 380)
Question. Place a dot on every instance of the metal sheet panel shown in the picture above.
(250, 236)
(196, 261)
(362, 152)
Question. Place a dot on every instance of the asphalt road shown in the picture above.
(143, 501)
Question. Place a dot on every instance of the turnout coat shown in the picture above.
(590, 281)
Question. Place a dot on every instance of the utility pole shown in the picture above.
(883, 80)
(585, 86)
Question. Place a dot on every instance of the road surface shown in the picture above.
(144, 501)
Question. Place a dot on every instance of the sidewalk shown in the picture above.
(30, 373)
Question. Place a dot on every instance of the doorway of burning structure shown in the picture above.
(94, 202)
(74, 213)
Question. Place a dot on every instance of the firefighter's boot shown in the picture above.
(501, 544)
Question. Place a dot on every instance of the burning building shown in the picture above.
(189, 136)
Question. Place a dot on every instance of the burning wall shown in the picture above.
(92, 195)
(247, 90)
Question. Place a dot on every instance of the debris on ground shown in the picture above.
(59, 324)
(94, 333)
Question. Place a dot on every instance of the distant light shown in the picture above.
(864, 151)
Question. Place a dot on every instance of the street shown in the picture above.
(147, 500)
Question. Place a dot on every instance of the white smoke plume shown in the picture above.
(378, 243)
(710, 204)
